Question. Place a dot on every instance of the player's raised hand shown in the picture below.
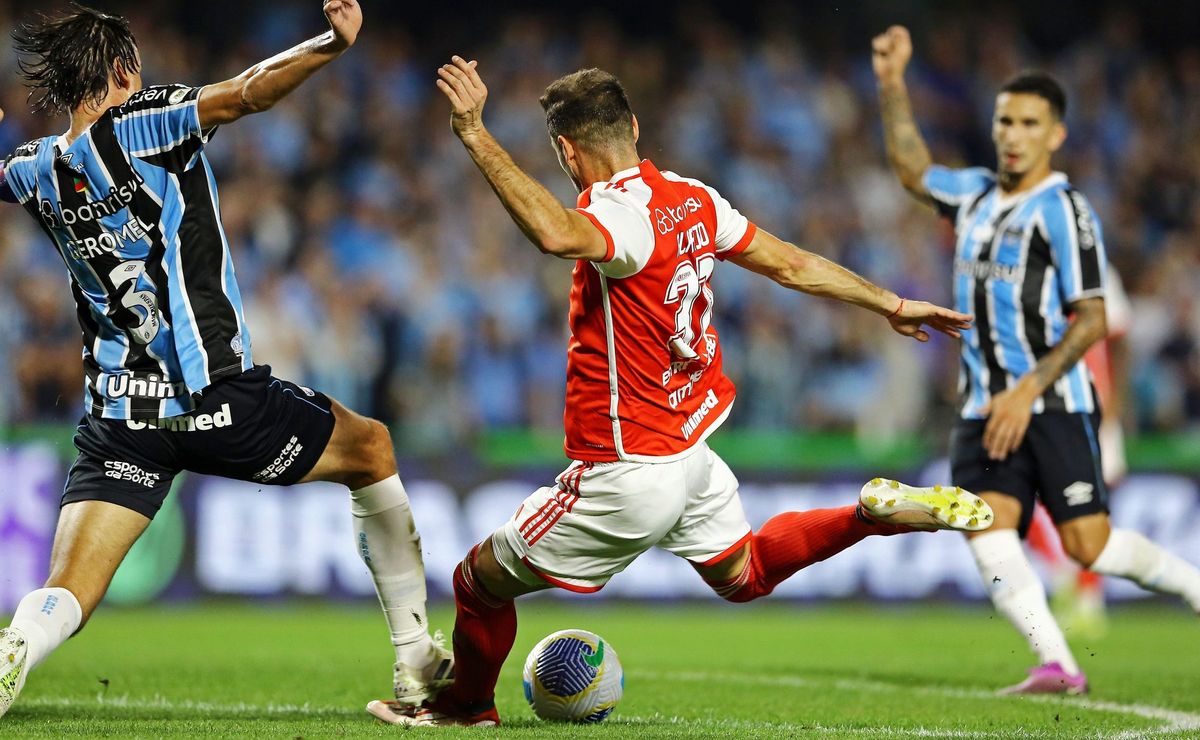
(345, 19)
(911, 316)
(461, 84)
(890, 52)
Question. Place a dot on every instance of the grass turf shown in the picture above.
(306, 669)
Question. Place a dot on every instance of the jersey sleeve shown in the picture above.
(17, 173)
(6, 193)
(161, 125)
(1076, 244)
(625, 224)
(734, 231)
(951, 189)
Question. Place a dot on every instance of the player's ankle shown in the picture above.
(419, 652)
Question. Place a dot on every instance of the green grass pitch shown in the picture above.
(306, 669)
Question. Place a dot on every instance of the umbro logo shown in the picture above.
(1079, 493)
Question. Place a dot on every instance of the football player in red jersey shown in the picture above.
(645, 388)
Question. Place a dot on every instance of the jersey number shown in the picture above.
(139, 318)
(690, 282)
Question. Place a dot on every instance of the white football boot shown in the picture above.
(415, 684)
(13, 667)
(939, 507)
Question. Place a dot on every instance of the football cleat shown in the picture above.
(939, 507)
(430, 714)
(415, 684)
(13, 667)
(1049, 678)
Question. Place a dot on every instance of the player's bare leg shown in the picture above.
(92, 539)
(792, 541)
(360, 456)
(1078, 593)
(1019, 595)
(485, 627)
(1094, 544)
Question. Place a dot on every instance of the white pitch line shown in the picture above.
(163, 703)
(305, 710)
(1173, 720)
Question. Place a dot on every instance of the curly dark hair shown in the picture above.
(66, 59)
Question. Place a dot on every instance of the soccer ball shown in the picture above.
(573, 676)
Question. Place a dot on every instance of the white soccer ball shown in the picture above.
(573, 676)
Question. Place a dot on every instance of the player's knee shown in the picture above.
(480, 575)
(371, 457)
(1084, 551)
(747, 586)
(379, 449)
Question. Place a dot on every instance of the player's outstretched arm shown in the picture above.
(266, 83)
(907, 152)
(810, 273)
(551, 227)
(1009, 412)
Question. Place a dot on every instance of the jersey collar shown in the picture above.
(645, 169)
(1049, 181)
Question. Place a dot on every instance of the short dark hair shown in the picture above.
(66, 59)
(589, 107)
(1042, 85)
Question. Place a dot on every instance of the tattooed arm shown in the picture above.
(907, 152)
(1009, 412)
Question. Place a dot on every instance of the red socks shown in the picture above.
(484, 630)
(795, 540)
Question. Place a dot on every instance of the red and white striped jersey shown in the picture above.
(644, 376)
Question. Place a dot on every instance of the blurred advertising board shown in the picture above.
(218, 537)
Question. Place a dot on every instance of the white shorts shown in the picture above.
(599, 517)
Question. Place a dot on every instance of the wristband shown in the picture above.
(896, 313)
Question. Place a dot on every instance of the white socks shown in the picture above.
(1019, 595)
(387, 541)
(46, 618)
(1130, 555)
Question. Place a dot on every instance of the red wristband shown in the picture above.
(896, 313)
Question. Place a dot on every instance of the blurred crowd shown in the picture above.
(379, 267)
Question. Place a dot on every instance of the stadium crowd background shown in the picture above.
(379, 268)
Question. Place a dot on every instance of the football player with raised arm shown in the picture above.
(1029, 263)
(645, 388)
(127, 198)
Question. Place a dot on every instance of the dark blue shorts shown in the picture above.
(250, 427)
(1057, 462)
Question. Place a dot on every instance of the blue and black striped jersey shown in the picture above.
(1020, 261)
(132, 207)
